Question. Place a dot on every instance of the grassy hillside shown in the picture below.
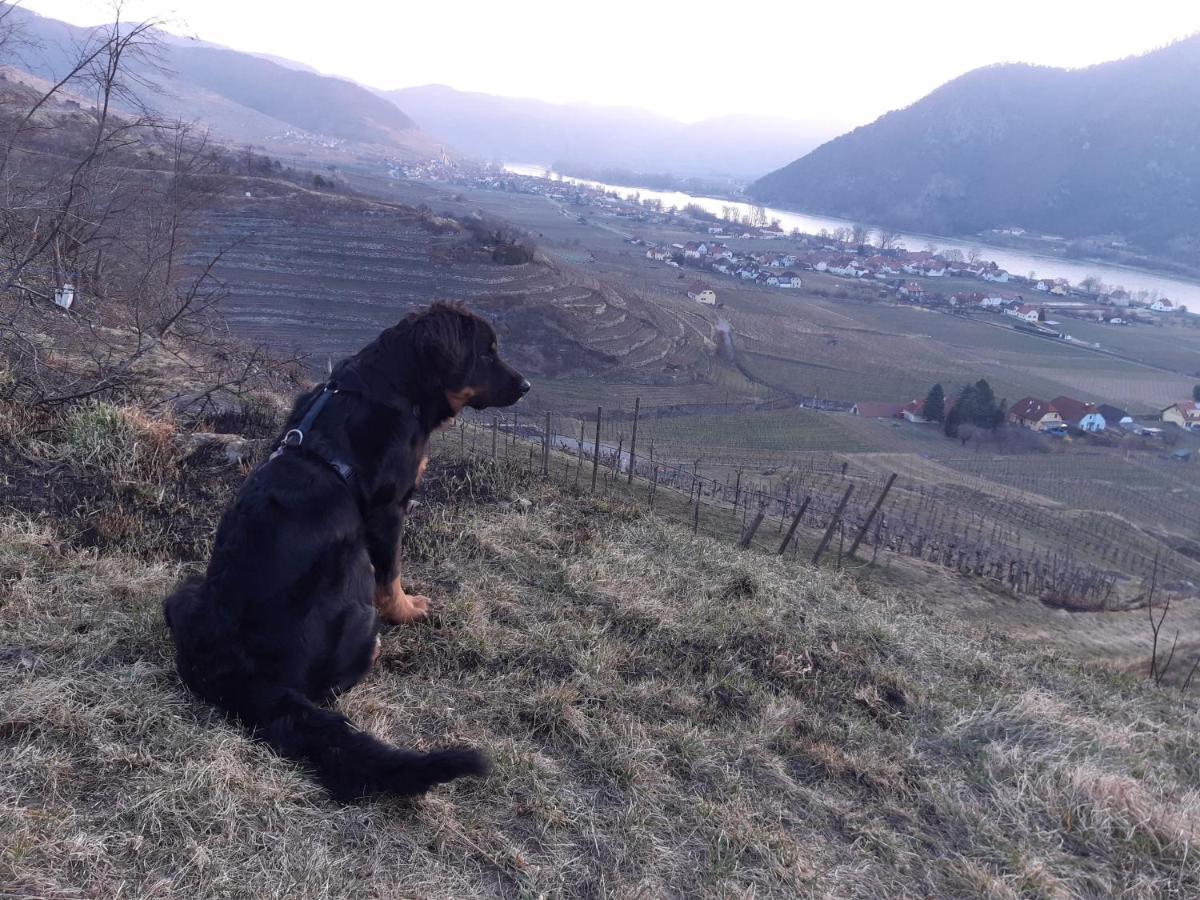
(667, 716)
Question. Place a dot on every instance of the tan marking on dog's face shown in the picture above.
(459, 399)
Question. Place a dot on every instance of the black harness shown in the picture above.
(293, 438)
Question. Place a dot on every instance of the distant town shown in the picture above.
(1038, 306)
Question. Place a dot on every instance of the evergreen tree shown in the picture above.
(935, 404)
(984, 411)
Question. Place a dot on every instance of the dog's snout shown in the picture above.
(524, 386)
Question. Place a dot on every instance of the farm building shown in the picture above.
(1185, 414)
(702, 293)
(1030, 412)
(1078, 414)
(871, 410)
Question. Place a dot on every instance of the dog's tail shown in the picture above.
(350, 763)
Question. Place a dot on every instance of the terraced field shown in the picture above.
(325, 283)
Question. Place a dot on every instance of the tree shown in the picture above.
(888, 239)
(935, 404)
(859, 234)
(1196, 393)
(974, 256)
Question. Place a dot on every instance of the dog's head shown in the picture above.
(457, 351)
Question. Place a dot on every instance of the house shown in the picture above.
(848, 268)
(992, 301)
(1185, 414)
(871, 410)
(1038, 415)
(1114, 416)
(720, 251)
(912, 290)
(1163, 305)
(914, 412)
(1022, 311)
(790, 280)
(693, 250)
(659, 253)
(1083, 416)
(702, 293)
(997, 275)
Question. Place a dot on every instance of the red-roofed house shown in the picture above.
(702, 293)
(1083, 416)
(1185, 414)
(877, 410)
(1024, 312)
(1030, 412)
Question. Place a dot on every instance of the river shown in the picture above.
(1018, 262)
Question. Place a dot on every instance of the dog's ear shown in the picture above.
(443, 339)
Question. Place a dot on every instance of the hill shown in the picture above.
(667, 715)
(242, 97)
(533, 131)
(1109, 149)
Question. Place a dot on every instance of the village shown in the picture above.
(1060, 417)
(845, 253)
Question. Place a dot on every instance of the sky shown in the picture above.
(835, 64)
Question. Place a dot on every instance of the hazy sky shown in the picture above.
(835, 63)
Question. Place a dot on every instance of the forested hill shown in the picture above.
(1109, 149)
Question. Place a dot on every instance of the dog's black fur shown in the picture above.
(285, 616)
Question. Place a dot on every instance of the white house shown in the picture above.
(659, 253)
(790, 280)
(1185, 414)
(1024, 312)
(702, 293)
(1163, 305)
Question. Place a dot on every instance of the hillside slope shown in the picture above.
(668, 716)
(1110, 149)
(512, 129)
(241, 96)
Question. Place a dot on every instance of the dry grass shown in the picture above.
(668, 717)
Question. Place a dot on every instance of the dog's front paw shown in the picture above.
(399, 608)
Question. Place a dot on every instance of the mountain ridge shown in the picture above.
(1107, 149)
(527, 130)
(244, 97)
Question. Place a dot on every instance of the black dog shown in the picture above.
(305, 562)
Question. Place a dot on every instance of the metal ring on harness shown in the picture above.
(294, 438)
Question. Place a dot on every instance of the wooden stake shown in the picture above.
(795, 523)
(833, 523)
(637, 408)
(596, 453)
(871, 515)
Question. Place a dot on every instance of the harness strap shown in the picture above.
(293, 439)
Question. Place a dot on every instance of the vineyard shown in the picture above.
(1073, 530)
